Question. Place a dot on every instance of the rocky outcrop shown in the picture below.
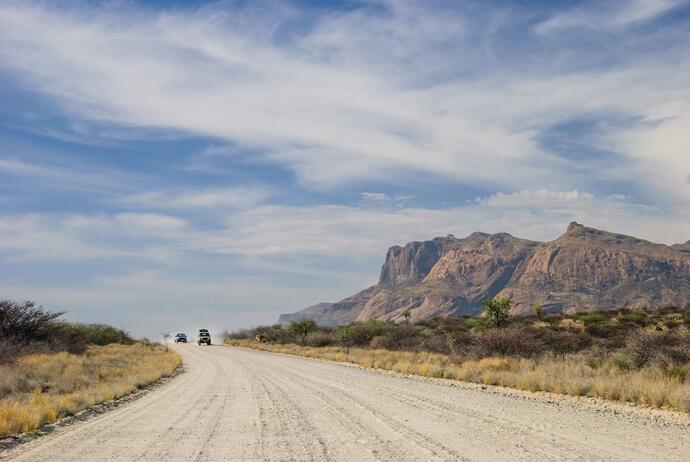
(411, 263)
(589, 270)
(585, 269)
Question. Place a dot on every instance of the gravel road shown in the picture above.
(236, 404)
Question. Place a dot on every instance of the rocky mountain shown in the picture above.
(585, 269)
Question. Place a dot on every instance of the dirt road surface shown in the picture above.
(236, 405)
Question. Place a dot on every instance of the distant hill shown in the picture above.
(585, 269)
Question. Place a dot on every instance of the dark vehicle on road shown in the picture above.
(180, 337)
(204, 337)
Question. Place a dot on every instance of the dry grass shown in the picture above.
(39, 389)
(570, 375)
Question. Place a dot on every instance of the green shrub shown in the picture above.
(300, 328)
(91, 334)
(29, 329)
(621, 363)
(639, 319)
(361, 334)
(496, 312)
(25, 321)
(273, 334)
(398, 337)
(593, 319)
(511, 341)
(320, 339)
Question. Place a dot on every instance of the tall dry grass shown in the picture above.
(38, 389)
(576, 375)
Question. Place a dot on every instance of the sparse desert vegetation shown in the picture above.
(633, 356)
(50, 368)
(29, 329)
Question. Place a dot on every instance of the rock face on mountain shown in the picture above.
(585, 269)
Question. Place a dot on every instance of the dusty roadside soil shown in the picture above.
(236, 404)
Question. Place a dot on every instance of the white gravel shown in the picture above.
(236, 405)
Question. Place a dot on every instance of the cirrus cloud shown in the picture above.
(423, 95)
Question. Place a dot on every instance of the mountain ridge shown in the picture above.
(584, 269)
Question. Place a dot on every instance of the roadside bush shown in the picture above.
(436, 344)
(242, 334)
(496, 311)
(273, 334)
(398, 337)
(321, 339)
(518, 342)
(608, 333)
(347, 336)
(663, 349)
(25, 321)
(29, 329)
(90, 334)
(301, 328)
(461, 343)
(563, 341)
(11, 350)
(360, 334)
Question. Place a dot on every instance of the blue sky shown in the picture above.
(169, 164)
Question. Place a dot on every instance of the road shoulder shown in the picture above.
(12, 444)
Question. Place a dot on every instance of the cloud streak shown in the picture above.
(335, 111)
(212, 198)
(351, 232)
(610, 15)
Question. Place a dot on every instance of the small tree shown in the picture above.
(538, 309)
(497, 311)
(347, 337)
(166, 337)
(25, 322)
(301, 328)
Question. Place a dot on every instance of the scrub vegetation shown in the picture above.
(634, 356)
(50, 368)
(29, 329)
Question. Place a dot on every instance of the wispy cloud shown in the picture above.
(74, 237)
(375, 197)
(353, 232)
(604, 15)
(416, 97)
(59, 175)
(540, 199)
(364, 231)
(212, 198)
